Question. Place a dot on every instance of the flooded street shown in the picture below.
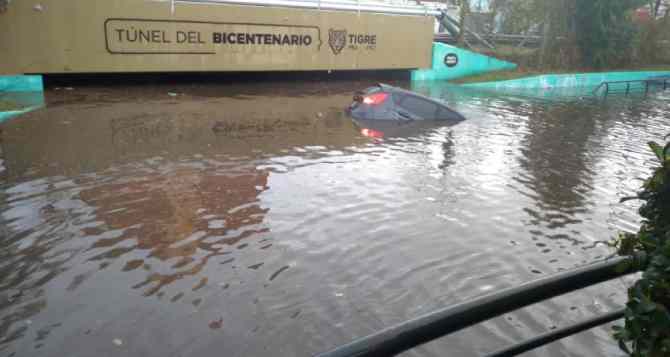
(257, 220)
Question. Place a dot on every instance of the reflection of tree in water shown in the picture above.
(447, 151)
(29, 260)
(21, 294)
(556, 161)
(188, 214)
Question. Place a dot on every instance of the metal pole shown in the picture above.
(556, 335)
(327, 5)
(407, 335)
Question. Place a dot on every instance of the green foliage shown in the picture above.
(653, 45)
(605, 31)
(586, 34)
(647, 320)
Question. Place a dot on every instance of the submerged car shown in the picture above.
(385, 102)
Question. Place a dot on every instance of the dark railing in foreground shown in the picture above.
(402, 337)
(558, 334)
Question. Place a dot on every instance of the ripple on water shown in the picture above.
(307, 235)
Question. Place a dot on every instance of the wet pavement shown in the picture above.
(258, 220)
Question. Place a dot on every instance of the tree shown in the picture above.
(582, 33)
(465, 9)
(656, 5)
(605, 31)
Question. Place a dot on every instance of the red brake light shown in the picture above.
(376, 98)
(372, 133)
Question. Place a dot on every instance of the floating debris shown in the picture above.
(200, 284)
(273, 276)
(118, 342)
(256, 266)
(217, 324)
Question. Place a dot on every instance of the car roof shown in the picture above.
(391, 88)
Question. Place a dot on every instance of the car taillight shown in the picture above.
(376, 98)
(372, 133)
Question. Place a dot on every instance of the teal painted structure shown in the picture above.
(25, 91)
(32, 83)
(467, 63)
(552, 88)
(585, 81)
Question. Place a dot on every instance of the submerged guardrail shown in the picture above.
(404, 336)
(628, 87)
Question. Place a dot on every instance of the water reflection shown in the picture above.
(211, 222)
(183, 218)
(559, 180)
(158, 192)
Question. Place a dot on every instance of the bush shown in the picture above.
(647, 320)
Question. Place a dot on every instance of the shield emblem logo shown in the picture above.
(337, 39)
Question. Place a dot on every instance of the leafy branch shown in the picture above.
(646, 332)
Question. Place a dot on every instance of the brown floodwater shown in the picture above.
(256, 220)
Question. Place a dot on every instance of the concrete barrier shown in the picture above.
(450, 62)
(21, 84)
(26, 92)
(575, 80)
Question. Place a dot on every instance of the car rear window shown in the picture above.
(420, 107)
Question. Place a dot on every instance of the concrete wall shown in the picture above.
(450, 62)
(577, 80)
(70, 36)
